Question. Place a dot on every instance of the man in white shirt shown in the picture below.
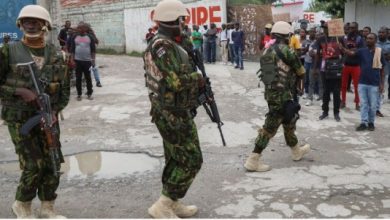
(230, 42)
(223, 43)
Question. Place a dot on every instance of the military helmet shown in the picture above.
(34, 11)
(281, 27)
(169, 10)
(268, 26)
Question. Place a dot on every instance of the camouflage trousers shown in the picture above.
(272, 123)
(183, 157)
(34, 160)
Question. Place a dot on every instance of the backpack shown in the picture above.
(268, 67)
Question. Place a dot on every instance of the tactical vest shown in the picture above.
(51, 76)
(275, 74)
(159, 94)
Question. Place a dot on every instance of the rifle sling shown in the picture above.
(281, 55)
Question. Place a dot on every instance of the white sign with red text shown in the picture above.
(316, 17)
(138, 20)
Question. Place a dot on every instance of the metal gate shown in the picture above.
(252, 18)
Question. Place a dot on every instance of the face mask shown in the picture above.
(175, 29)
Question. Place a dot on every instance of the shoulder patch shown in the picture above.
(160, 52)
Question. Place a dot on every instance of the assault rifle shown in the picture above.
(206, 98)
(45, 119)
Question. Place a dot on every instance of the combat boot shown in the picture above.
(184, 211)
(298, 152)
(22, 209)
(47, 210)
(163, 208)
(253, 163)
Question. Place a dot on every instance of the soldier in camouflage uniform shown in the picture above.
(173, 90)
(18, 96)
(278, 93)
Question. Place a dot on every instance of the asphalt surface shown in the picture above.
(346, 175)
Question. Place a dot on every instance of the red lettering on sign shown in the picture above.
(193, 15)
(213, 18)
(201, 15)
(188, 18)
(310, 17)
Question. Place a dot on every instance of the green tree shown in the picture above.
(336, 7)
(316, 6)
(245, 2)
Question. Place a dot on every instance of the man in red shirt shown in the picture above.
(149, 35)
(351, 41)
(266, 37)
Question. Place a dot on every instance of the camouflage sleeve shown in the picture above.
(64, 90)
(295, 62)
(187, 43)
(5, 91)
(176, 75)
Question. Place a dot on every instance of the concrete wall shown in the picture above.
(138, 20)
(367, 14)
(107, 18)
(53, 8)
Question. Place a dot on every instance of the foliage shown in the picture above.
(108, 51)
(135, 54)
(336, 7)
(316, 6)
(246, 2)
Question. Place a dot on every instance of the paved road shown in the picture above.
(346, 175)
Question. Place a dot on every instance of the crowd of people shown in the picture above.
(307, 63)
(229, 37)
(79, 43)
(316, 50)
(332, 64)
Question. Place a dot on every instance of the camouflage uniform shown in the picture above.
(173, 91)
(37, 176)
(276, 95)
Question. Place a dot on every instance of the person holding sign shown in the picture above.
(329, 56)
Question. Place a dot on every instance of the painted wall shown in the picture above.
(367, 14)
(293, 8)
(138, 20)
(8, 14)
(105, 18)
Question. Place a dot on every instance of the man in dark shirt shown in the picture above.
(211, 43)
(371, 80)
(351, 41)
(239, 45)
(327, 51)
(63, 35)
(6, 39)
(366, 31)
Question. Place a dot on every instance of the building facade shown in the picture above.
(367, 13)
(121, 25)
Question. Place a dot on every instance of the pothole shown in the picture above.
(99, 165)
